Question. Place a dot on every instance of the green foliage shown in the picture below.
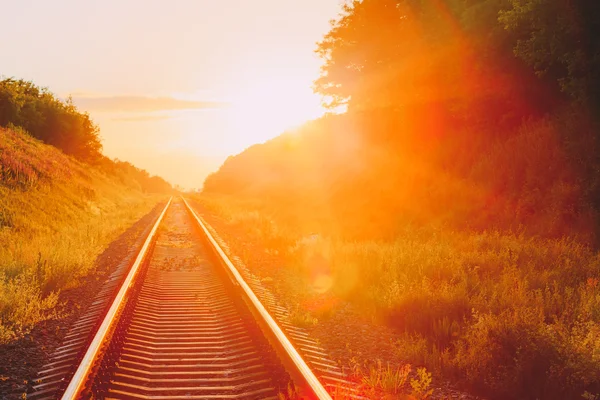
(458, 198)
(49, 119)
(447, 67)
(560, 40)
(392, 52)
(366, 32)
(26, 108)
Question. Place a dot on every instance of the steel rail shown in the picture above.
(303, 376)
(77, 384)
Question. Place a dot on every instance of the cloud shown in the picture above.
(143, 117)
(141, 104)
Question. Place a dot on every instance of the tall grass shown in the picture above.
(479, 252)
(511, 315)
(56, 216)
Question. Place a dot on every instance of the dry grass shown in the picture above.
(390, 380)
(509, 313)
(56, 216)
(479, 251)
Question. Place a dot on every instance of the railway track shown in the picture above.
(180, 321)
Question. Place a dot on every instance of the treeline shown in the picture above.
(459, 197)
(500, 96)
(125, 170)
(388, 53)
(59, 123)
(495, 101)
(474, 72)
(49, 119)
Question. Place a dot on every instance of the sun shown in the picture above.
(271, 107)
(252, 114)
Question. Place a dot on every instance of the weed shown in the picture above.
(589, 396)
(388, 379)
(302, 318)
(291, 393)
(420, 385)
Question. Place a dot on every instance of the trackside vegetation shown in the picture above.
(61, 202)
(457, 198)
(43, 116)
(56, 215)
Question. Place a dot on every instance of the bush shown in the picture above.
(49, 119)
(513, 316)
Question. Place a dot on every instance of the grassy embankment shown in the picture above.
(56, 215)
(479, 254)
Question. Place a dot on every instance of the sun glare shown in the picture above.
(268, 108)
(250, 115)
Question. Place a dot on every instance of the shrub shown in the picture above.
(49, 119)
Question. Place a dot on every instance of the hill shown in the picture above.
(479, 252)
(367, 175)
(457, 200)
(56, 216)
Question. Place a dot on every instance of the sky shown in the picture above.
(175, 86)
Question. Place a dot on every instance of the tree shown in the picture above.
(475, 60)
(560, 40)
(49, 119)
(367, 54)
